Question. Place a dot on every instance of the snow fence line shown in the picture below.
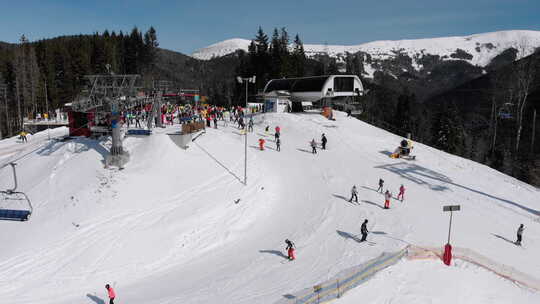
(344, 281)
(347, 279)
(470, 256)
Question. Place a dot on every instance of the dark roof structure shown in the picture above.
(305, 84)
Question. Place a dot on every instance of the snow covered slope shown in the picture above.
(222, 48)
(167, 228)
(478, 49)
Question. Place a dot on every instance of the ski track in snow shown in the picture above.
(167, 229)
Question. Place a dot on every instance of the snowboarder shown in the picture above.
(266, 129)
(381, 184)
(278, 131)
(313, 146)
(349, 112)
(261, 144)
(387, 197)
(401, 193)
(111, 293)
(250, 125)
(324, 140)
(290, 249)
(215, 122)
(354, 194)
(364, 231)
(519, 234)
(278, 144)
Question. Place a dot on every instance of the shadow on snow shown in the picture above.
(421, 176)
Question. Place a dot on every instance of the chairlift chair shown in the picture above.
(505, 111)
(14, 205)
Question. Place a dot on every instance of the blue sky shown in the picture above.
(188, 25)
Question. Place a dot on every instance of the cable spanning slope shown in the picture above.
(169, 227)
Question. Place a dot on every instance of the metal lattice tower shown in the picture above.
(113, 94)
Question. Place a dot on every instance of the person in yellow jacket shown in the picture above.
(23, 136)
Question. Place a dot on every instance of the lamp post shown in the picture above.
(245, 80)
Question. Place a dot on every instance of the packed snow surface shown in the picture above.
(426, 282)
(179, 226)
(482, 47)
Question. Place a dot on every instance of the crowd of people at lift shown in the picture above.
(170, 114)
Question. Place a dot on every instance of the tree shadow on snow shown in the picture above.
(97, 300)
(421, 176)
(274, 252)
(503, 238)
(372, 203)
(347, 235)
(79, 145)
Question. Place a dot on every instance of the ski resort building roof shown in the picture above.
(315, 88)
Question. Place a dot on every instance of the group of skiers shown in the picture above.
(387, 198)
(277, 139)
(387, 194)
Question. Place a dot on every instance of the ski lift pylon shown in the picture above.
(14, 205)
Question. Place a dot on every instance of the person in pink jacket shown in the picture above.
(401, 193)
(111, 293)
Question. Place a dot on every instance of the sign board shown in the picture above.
(451, 208)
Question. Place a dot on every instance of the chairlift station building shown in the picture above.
(326, 90)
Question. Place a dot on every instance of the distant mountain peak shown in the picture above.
(477, 49)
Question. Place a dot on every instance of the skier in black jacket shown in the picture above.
(364, 231)
(324, 141)
(381, 184)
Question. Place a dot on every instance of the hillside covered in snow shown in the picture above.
(179, 226)
(478, 50)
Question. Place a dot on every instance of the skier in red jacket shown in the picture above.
(111, 293)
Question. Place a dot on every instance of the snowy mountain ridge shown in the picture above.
(477, 49)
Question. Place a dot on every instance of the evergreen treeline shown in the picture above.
(49, 73)
(273, 58)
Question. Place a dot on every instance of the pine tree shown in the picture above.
(298, 57)
(448, 131)
(150, 47)
(275, 55)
